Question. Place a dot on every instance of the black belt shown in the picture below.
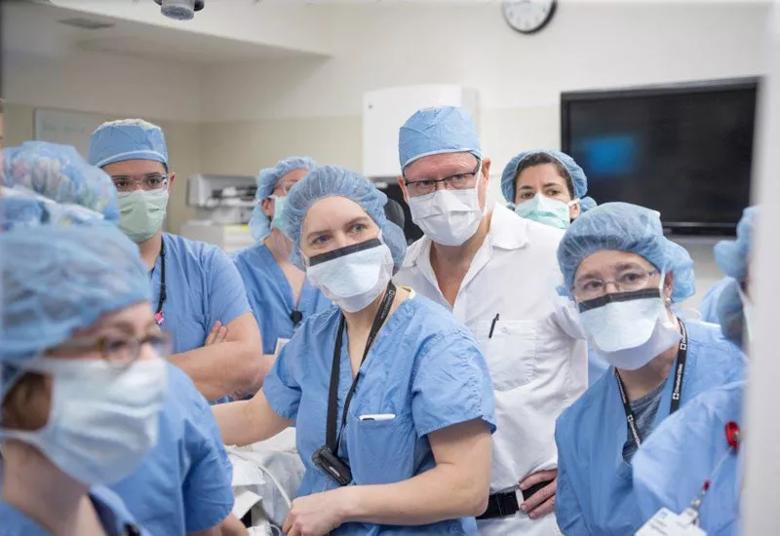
(501, 505)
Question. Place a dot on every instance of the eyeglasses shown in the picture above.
(285, 187)
(459, 181)
(121, 351)
(627, 281)
(152, 181)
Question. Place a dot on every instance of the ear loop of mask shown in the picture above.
(662, 289)
(476, 188)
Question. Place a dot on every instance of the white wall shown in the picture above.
(266, 110)
(238, 117)
(587, 45)
(103, 83)
(115, 87)
(762, 470)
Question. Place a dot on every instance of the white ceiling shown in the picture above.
(34, 26)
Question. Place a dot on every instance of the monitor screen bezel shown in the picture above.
(682, 88)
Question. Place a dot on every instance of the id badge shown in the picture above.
(667, 523)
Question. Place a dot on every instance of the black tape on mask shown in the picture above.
(619, 297)
(336, 253)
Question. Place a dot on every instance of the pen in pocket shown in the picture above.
(377, 417)
(493, 326)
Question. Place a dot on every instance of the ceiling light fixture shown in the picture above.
(180, 9)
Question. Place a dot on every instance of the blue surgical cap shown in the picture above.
(267, 179)
(56, 280)
(733, 256)
(729, 309)
(587, 203)
(445, 129)
(127, 139)
(578, 179)
(630, 228)
(332, 181)
(47, 183)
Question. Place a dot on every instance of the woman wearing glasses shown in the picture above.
(278, 292)
(83, 381)
(624, 276)
(390, 396)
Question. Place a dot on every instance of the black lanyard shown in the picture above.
(331, 438)
(158, 314)
(679, 373)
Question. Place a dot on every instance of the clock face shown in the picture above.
(528, 16)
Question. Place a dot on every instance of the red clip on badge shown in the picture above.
(732, 434)
(159, 318)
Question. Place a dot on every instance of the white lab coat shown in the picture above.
(538, 368)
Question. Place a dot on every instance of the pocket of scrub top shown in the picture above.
(381, 452)
(510, 353)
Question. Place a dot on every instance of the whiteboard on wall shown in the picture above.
(385, 110)
(66, 127)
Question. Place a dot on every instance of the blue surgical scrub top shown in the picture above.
(708, 308)
(184, 483)
(594, 493)
(271, 297)
(688, 448)
(111, 512)
(202, 286)
(424, 370)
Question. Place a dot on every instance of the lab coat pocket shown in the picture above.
(381, 451)
(510, 352)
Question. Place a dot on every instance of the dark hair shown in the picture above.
(537, 159)
(26, 405)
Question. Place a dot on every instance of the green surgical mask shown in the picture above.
(279, 203)
(141, 213)
(546, 210)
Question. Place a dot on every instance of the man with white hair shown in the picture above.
(497, 272)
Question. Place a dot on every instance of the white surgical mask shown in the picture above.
(546, 210)
(448, 217)
(629, 329)
(103, 418)
(352, 277)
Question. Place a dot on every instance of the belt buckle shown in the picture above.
(506, 496)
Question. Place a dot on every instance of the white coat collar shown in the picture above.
(507, 231)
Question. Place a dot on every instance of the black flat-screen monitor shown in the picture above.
(685, 150)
